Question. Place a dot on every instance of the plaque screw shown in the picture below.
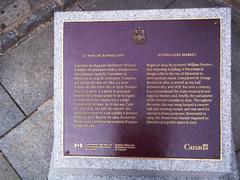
(215, 22)
(67, 152)
(68, 26)
(216, 155)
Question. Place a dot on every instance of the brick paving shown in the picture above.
(26, 76)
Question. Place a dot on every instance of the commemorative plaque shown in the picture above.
(142, 92)
(142, 88)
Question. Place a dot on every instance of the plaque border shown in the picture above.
(136, 157)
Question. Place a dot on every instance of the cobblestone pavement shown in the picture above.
(26, 76)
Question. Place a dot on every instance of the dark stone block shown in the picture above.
(7, 40)
(66, 3)
(43, 15)
(194, 4)
(33, 2)
(125, 4)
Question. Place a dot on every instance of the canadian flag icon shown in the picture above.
(78, 145)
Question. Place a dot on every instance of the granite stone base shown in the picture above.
(75, 167)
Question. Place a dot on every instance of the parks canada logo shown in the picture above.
(139, 36)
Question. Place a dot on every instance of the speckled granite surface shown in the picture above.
(69, 167)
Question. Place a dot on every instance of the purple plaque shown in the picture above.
(146, 89)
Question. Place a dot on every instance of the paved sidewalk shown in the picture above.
(26, 89)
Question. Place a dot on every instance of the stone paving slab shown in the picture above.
(75, 8)
(10, 115)
(21, 17)
(95, 5)
(194, 4)
(236, 15)
(27, 71)
(13, 12)
(28, 146)
(6, 171)
(238, 163)
(4, 3)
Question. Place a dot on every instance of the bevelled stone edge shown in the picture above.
(224, 166)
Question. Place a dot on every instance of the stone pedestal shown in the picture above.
(77, 167)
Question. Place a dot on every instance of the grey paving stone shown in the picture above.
(6, 171)
(75, 8)
(13, 12)
(67, 2)
(36, 2)
(193, 4)
(10, 115)
(235, 5)
(7, 40)
(4, 3)
(27, 71)
(236, 84)
(40, 16)
(238, 162)
(236, 16)
(20, 17)
(28, 146)
(94, 5)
